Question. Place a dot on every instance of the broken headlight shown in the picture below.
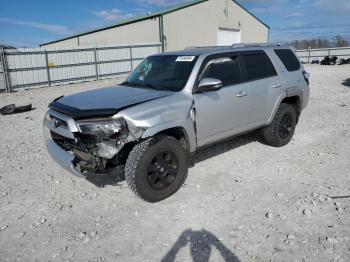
(111, 128)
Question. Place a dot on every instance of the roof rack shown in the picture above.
(254, 44)
(232, 46)
(206, 47)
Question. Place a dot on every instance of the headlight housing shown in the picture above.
(109, 128)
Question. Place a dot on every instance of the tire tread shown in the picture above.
(268, 133)
(136, 156)
(131, 164)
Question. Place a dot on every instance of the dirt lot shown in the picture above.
(242, 201)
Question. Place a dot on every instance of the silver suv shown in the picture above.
(171, 105)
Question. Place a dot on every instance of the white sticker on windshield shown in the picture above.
(185, 58)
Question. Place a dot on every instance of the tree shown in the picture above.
(340, 41)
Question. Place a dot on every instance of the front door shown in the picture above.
(222, 113)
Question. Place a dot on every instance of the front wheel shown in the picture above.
(281, 130)
(156, 168)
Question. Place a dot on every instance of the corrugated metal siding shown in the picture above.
(143, 52)
(41, 67)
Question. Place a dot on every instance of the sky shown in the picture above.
(28, 23)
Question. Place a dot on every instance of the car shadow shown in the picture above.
(115, 178)
(224, 146)
(111, 179)
(346, 82)
(201, 244)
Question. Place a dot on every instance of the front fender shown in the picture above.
(187, 125)
(150, 118)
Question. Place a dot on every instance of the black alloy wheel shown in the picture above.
(156, 168)
(286, 125)
(162, 170)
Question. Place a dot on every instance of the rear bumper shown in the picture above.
(62, 157)
(306, 96)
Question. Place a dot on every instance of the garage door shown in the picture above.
(228, 36)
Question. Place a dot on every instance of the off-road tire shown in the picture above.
(271, 134)
(136, 169)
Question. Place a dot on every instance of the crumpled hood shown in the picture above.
(104, 101)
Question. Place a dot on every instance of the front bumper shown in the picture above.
(62, 157)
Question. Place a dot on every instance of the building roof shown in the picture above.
(147, 17)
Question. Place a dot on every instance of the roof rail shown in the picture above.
(232, 46)
(253, 44)
(205, 47)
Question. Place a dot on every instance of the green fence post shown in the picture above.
(161, 32)
(131, 62)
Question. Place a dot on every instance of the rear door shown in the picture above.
(264, 84)
(222, 113)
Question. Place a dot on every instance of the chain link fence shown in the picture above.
(33, 68)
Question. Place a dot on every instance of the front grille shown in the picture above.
(56, 136)
(69, 144)
(64, 142)
(61, 124)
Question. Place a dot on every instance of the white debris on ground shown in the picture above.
(243, 201)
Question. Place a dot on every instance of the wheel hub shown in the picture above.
(162, 170)
(285, 128)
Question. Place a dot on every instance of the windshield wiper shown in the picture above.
(132, 84)
(126, 83)
(152, 86)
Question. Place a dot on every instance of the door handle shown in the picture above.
(278, 85)
(242, 94)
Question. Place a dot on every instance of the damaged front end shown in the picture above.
(93, 146)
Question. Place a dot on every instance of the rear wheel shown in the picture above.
(281, 130)
(156, 168)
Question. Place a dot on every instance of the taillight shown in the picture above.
(306, 77)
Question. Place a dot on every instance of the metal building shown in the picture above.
(196, 23)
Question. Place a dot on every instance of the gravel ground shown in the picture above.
(242, 201)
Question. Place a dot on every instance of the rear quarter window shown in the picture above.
(289, 59)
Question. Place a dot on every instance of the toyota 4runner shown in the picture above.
(171, 105)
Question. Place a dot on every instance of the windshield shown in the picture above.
(162, 73)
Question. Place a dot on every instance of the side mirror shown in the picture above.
(208, 85)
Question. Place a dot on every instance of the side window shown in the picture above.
(288, 59)
(225, 69)
(258, 66)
